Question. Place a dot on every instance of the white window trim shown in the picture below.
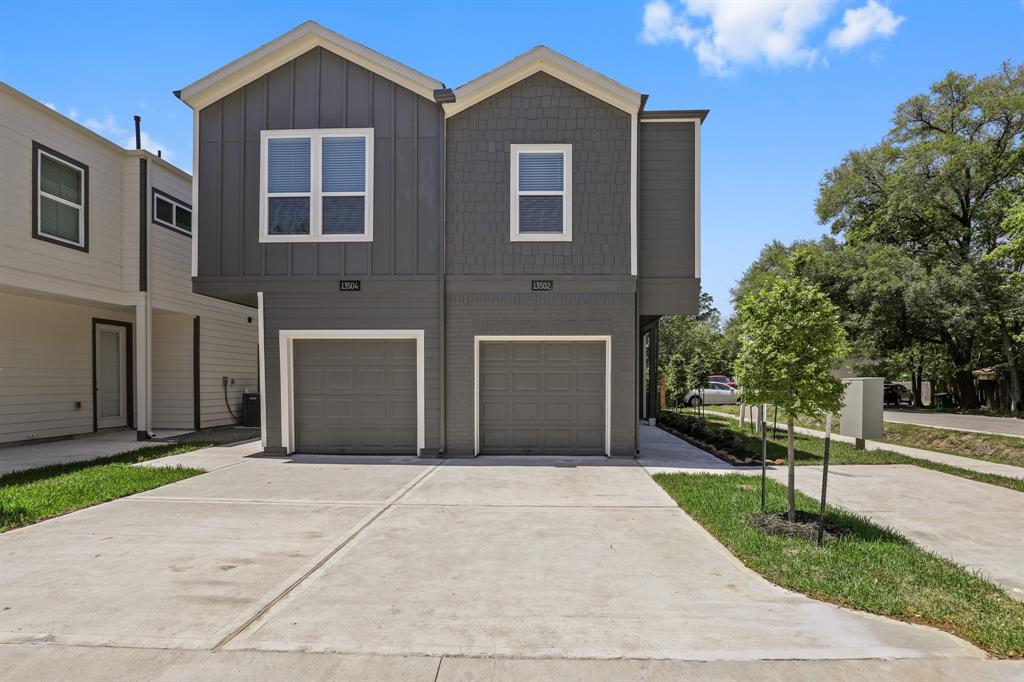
(566, 193)
(316, 136)
(40, 193)
(286, 353)
(607, 379)
(176, 204)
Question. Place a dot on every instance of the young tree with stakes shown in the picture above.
(792, 339)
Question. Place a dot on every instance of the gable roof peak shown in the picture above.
(543, 58)
(286, 47)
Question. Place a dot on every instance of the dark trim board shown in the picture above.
(129, 361)
(143, 224)
(36, 148)
(196, 416)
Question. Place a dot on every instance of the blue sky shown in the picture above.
(792, 85)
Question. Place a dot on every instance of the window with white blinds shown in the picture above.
(317, 185)
(61, 188)
(541, 195)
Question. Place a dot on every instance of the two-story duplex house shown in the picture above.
(99, 327)
(463, 271)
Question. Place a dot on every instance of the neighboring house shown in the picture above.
(99, 327)
(457, 272)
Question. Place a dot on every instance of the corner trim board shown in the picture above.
(143, 224)
(286, 341)
(262, 349)
(197, 421)
(607, 339)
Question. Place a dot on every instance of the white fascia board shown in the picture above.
(287, 47)
(552, 63)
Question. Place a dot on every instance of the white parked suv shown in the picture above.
(713, 393)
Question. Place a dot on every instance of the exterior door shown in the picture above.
(111, 377)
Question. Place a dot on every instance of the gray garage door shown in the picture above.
(542, 397)
(355, 397)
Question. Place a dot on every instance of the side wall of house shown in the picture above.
(172, 371)
(46, 357)
(42, 265)
(227, 331)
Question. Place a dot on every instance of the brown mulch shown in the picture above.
(806, 526)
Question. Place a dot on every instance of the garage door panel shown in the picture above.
(542, 397)
(355, 396)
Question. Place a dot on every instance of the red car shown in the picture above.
(722, 379)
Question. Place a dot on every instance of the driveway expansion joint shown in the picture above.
(224, 641)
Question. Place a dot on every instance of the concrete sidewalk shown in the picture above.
(81, 448)
(50, 662)
(969, 463)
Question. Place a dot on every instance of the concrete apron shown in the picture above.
(539, 559)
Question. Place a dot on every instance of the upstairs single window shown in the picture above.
(541, 195)
(172, 213)
(317, 185)
(61, 202)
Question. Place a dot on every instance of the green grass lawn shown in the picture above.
(37, 494)
(984, 446)
(870, 569)
(726, 434)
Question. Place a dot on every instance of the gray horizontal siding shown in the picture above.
(538, 109)
(321, 90)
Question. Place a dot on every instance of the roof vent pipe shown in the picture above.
(138, 132)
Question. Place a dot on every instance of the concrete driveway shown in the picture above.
(409, 563)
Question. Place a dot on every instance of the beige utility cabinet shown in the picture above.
(861, 416)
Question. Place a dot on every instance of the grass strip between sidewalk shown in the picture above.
(871, 569)
(37, 494)
(986, 447)
(725, 433)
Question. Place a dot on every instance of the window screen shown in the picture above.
(61, 199)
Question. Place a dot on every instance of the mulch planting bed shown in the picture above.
(805, 526)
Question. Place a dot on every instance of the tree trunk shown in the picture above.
(1011, 363)
(965, 384)
(791, 464)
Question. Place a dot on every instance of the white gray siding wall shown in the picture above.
(172, 371)
(227, 349)
(33, 263)
(46, 366)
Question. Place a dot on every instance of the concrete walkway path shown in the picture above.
(1005, 426)
(78, 449)
(393, 561)
(969, 463)
(978, 525)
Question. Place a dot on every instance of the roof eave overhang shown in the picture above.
(550, 62)
(287, 47)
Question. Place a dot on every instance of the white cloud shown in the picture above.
(735, 34)
(107, 126)
(860, 25)
(73, 114)
(51, 105)
(726, 35)
(110, 128)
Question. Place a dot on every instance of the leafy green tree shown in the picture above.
(938, 187)
(792, 340)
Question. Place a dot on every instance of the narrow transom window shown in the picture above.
(61, 198)
(317, 185)
(171, 212)
(541, 207)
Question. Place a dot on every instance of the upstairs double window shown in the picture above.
(541, 192)
(316, 185)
